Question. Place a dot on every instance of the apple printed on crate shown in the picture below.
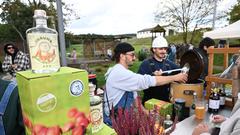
(77, 125)
(68, 126)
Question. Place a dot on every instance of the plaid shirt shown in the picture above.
(21, 60)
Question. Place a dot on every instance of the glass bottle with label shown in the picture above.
(96, 110)
(222, 97)
(43, 45)
(168, 122)
(214, 101)
(192, 108)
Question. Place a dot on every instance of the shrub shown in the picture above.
(142, 55)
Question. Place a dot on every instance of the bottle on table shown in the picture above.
(167, 123)
(43, 45)
(96, 111)
(192, 107)
(222, 97)
(214, 101)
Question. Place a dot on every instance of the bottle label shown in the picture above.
(43, 48)
(96, 117)
(222, 100)
(41, 22)
(214, 104)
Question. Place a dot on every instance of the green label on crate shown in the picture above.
(46, 102)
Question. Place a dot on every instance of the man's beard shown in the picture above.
(162, 56)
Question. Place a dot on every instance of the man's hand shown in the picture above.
(200, 128)
(14, 66)
(157, 72)
(218, 119)
(181, 77)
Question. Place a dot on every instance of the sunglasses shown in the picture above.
(10, 48)
(130, 54)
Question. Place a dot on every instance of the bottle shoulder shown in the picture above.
(41, 30)
(95, 100)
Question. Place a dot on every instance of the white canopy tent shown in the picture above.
(230, 31)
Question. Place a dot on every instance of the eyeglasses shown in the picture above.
(130, 54)
(10, 48)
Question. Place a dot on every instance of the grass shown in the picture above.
(100, 71)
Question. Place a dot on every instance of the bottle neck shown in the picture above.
(41, 22)
(91, 89)
(91, 93)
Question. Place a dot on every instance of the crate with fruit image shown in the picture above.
(163, 107)
(77, 125)
(56, 103)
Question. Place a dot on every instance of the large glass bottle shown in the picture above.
(43, 45)
(96, 110)
(214, 101)
(167, 123)
(222, 96)
(193, 106)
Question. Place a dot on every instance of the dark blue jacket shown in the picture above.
(148, 66)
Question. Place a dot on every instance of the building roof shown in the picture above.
(157, 28)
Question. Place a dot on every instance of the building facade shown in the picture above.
(145, 33)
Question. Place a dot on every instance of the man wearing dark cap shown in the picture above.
(122, 84)
(14, 60)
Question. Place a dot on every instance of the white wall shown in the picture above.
(145, 34)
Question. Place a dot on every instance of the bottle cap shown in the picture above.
(168, 117)
(39, 13)
(92, 76)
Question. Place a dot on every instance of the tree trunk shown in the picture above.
(185, 37)
(192, 37)
(193, 34)
(23, 40)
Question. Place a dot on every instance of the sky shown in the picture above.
(112, 16)
(119, 16)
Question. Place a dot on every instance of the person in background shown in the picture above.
(172, 53)
(15, 60)
(205, 44)
(74, 55)
(109, 53)
(122, 84)
(156, 63)
(12, 114)
(222, 43)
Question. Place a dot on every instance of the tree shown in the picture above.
(7, 33)
(20, 15)
(185, 14)
(235, 13)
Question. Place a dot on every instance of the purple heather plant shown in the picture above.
(135, 121)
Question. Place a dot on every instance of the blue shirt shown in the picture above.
(148, 66)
